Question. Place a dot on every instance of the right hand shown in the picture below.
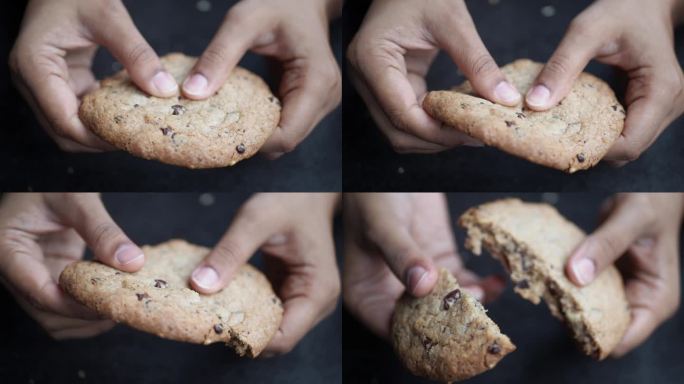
(40, 234)
(394, 242)
(390, 57)
(52, 58)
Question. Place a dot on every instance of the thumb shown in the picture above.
(465, 47)
(87, 215)
(121, 37)
(555, 80)
(246, 234)
(406, 260)
(603, 247)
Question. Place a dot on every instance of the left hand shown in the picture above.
(294, 232)
(636, 36)
(294, 32)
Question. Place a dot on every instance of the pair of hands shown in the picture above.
(42, 233)
(399, 39)
(53, 55)
(396, 242)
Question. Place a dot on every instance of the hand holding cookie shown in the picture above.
(52, 58)
(40, 234)
(295, 34)
(637, 37)
(639, 233)
(391, 55)
(395, 243)
(294, 232)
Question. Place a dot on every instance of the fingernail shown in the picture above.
(538, 96)
(506, 92)
(195, 84)
(205, 277)
(414, 276)
(127, 253)
(165, 83)
(278, 239)
(584, 270)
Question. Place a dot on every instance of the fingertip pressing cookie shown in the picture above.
(447, 335)
(534, 242)
(227, 127)
(157, 299)
(574, 135)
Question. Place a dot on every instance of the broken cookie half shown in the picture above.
(157, 299)
(534, 242)
(447, 335)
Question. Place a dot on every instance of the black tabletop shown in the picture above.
(124, 355)
(545, 349)
(31, 161)
(510, 30)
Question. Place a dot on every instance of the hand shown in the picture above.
(294, 232)
(394, 243)
(52, 58)
(296, 34)
(391, 55)
(636, 36)
(641, 233)
(40, 234)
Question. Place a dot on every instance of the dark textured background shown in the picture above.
(31, 161)
(546, 353)
(510, 29)
(123, 355)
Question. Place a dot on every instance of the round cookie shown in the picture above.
(157, 299)
(447, 335)
(228, 127)
(571, 136)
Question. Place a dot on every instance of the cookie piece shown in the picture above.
(447, 335)
(157, 299)
(533, 241)
(574, 135)
(228, 127)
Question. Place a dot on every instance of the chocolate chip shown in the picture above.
(178, 109)
(136, 105)
(494, 349)
(142, 296)
(94, 281)
(523, 284)
(218, 328)
(520, 115)
(273, 100)
(159, 283)
(241, 148)
(451, 298)
(166, 130)
(614, 107)
(580, 157)
(118, 119)
(509, 123)
(117, 273)
(427, 343)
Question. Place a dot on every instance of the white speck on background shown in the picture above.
(550, 198)
(548, 11)
(81, 374)
(116, 66)
(203, 6)
(493, 2)
(401, 170)
(70, 170)
(206, 199)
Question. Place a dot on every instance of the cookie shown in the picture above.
(157, 299)
(534, 242)
(576, 134)
(447, 335)
(228, 127)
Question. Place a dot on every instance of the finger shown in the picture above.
(298, 318)
(82, 332)
(648, 112)
(89, 217)
(121, 37)
(246, 234)
(240, 29)
(610, 241)
(574, 52)
(309, 93)
(644, 322)
(405, 258)
(461, 41)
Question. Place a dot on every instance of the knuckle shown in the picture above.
(607, 246)
(284, 346)
(557, 65)
(140, 54)
(631, 152)
(228, 252)
(482, 64)
(104, 234)
(289, 143)
(215, 56)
